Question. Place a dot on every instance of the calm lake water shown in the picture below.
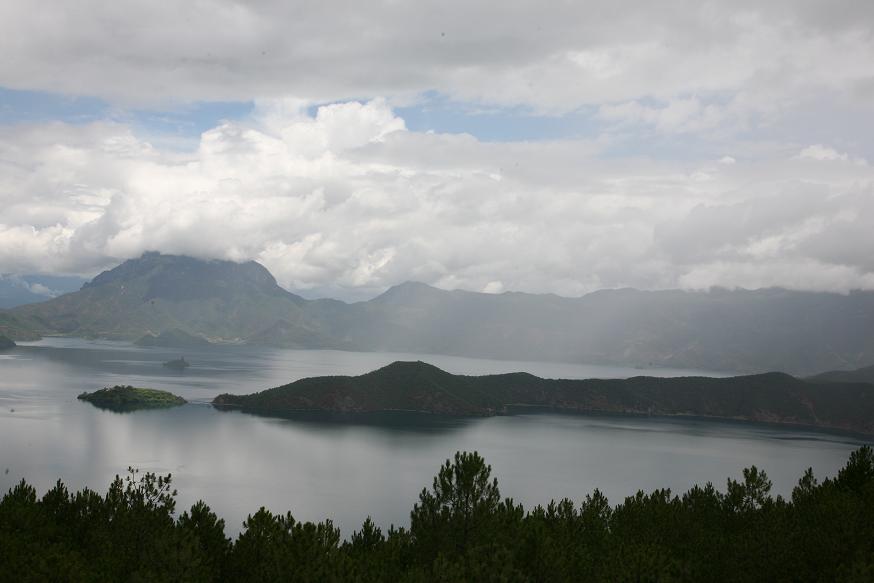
(238, 462)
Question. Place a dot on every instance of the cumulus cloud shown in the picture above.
(756, 119)
(345, 201)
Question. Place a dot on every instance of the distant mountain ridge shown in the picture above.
(421, 387)
(859, 375)
(730, 330)
(29, 289)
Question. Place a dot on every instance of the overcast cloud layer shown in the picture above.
(725, 143)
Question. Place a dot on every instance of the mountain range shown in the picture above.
(221, 301)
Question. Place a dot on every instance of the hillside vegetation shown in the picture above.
(127, 398)
(418, 386)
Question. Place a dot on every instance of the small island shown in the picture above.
(178, 364)
(122, 398)
(6, 343)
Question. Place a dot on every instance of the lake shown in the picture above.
(317, 469)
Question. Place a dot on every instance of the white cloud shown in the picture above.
(679, 115)
(803, 274)
(347, 201)
(35, 288)
(493, 287)
(820, 152)
(41, 290)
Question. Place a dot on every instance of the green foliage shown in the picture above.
(461, 504)
(419, 386)
(460, 530)
(750, 495)
(277, 547)
(203, 526)
(123, 398)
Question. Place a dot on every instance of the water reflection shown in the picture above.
(383, 420)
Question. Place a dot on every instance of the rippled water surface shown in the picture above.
(315, 469)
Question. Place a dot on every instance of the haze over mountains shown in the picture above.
(28, 289)
(741, 330)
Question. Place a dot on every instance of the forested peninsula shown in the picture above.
(418, 386)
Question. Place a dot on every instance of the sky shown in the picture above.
(544, 147)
